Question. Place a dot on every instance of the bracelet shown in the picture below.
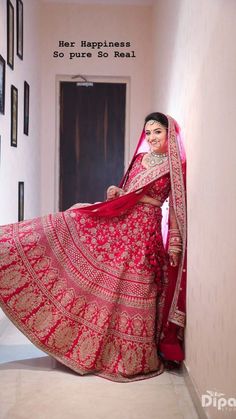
(175, 241)
(174, 236)
(174, 250)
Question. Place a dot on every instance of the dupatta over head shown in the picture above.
(174, 310)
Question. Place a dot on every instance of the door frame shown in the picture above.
(95, 79)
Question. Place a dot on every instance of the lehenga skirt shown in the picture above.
(88, 291)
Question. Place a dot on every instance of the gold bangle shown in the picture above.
(174, 249)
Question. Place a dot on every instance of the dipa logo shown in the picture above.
(217, 400)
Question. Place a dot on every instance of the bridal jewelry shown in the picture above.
(152, 158)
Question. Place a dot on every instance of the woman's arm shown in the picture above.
(175, 241)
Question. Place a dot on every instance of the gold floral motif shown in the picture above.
(78, 305)
(86, 348)
(12, 275)
(6, 231)
(30, 239)
(137, 325)
(151, 358)
(90, 311)
(36, 252)
(58, 287)
(5, 249)
(25, 227)
(123, 322)
(109, 354)
(114, 319)
(63, 336)
(132, 359)
(87, 351)
(43, 320)
(25, 301)
(50, 277)
(150, 326)
(103, 317)
(42, 264)
(7, 258)
(68, 297)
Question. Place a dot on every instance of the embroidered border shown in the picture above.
(148, 176)
(179, 203)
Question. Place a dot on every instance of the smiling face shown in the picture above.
(156, 136)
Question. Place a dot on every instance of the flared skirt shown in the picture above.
(88, 291)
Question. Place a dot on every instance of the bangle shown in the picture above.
(175, 241)
(174, 250)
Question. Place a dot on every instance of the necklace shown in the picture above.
(152, 158)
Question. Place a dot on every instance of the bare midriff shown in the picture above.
(149, 200)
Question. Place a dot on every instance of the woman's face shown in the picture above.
(156, 136)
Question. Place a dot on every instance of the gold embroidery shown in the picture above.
(137, 325)
(178, 318)
(110, 354)
(86, 348)
(43, 320)
(63, 336)
(25, 301)
(123, 323)
(78, 305)
(13, 275)
(179, 203)
(148, 176)
(103, 317)
(131, 359)
(151, 358)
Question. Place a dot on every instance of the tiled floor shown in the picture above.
(34, 386)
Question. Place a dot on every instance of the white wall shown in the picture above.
(195, 67)
(21, 163)
(73, 22)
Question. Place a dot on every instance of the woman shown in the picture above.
(93, 286)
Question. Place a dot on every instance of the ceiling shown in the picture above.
(111, 2)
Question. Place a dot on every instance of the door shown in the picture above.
(92, 135)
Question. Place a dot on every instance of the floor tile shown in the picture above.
(35, 386)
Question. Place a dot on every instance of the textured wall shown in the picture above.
(21, 163)
(195, 67)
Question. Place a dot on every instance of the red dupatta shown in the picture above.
(173, 318)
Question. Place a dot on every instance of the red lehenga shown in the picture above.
(89, 285)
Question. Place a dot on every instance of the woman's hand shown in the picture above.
(114, 192)
(174, 258)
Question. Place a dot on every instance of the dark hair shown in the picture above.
(159, 117)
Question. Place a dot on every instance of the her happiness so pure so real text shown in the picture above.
(97, 49)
